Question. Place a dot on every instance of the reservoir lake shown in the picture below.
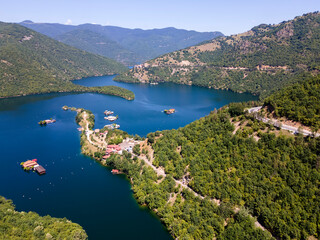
(75, 186)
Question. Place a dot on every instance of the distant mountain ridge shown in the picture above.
(128, 46)
(260, 61)
(32, 63)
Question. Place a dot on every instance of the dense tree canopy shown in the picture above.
(276, 178)
(32, 63)
(29, 225)
(299, 102)
(260, 61)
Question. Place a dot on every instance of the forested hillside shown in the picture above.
(274, 177)
(33, 63)
(299, 102)
(128, 46)
(29, 225)
(260, 61)
(99, 44)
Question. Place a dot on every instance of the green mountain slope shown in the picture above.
(299, 102)
(273, 176)
(33, 63)
(99, 44)
(260, 61)
(23, 225)
(132, 46)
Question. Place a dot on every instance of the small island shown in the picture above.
(45, 122)
(170, 111)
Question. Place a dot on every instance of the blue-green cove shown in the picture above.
(75, 186)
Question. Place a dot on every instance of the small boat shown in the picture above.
(108, 112)
(111, 118)
(112, 126)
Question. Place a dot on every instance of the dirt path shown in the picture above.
(278, 124)
(161, 172)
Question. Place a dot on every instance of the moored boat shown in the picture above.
(111, 118)
(108, 112)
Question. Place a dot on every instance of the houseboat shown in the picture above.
(111, 118)
(33, 165)
(108, 112)
(112, 126)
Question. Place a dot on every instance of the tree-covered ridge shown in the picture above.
(113, 90)
(276, 177)
(260, 61)
(299, 102)
(129, 46)
(185, 215)
(32, 63)
(29, 225)
(99, 44)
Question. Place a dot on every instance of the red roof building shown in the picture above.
(115, 147)
(115, 171)
(29, 163)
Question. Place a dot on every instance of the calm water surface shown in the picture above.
(75, 186)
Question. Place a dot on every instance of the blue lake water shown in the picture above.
(75, 186)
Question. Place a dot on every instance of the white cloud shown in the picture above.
(68, 22)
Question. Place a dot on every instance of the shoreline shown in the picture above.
(143, 161)
(67, 92)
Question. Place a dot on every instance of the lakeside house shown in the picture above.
(115, 171)
(112, 149)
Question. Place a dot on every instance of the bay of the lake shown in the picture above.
(75, 186)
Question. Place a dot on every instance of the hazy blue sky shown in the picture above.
(228, 16)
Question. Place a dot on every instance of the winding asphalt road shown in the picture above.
(278, 124)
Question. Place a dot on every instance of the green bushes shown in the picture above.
(276, 178)
(22, 225)
(299, 102)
